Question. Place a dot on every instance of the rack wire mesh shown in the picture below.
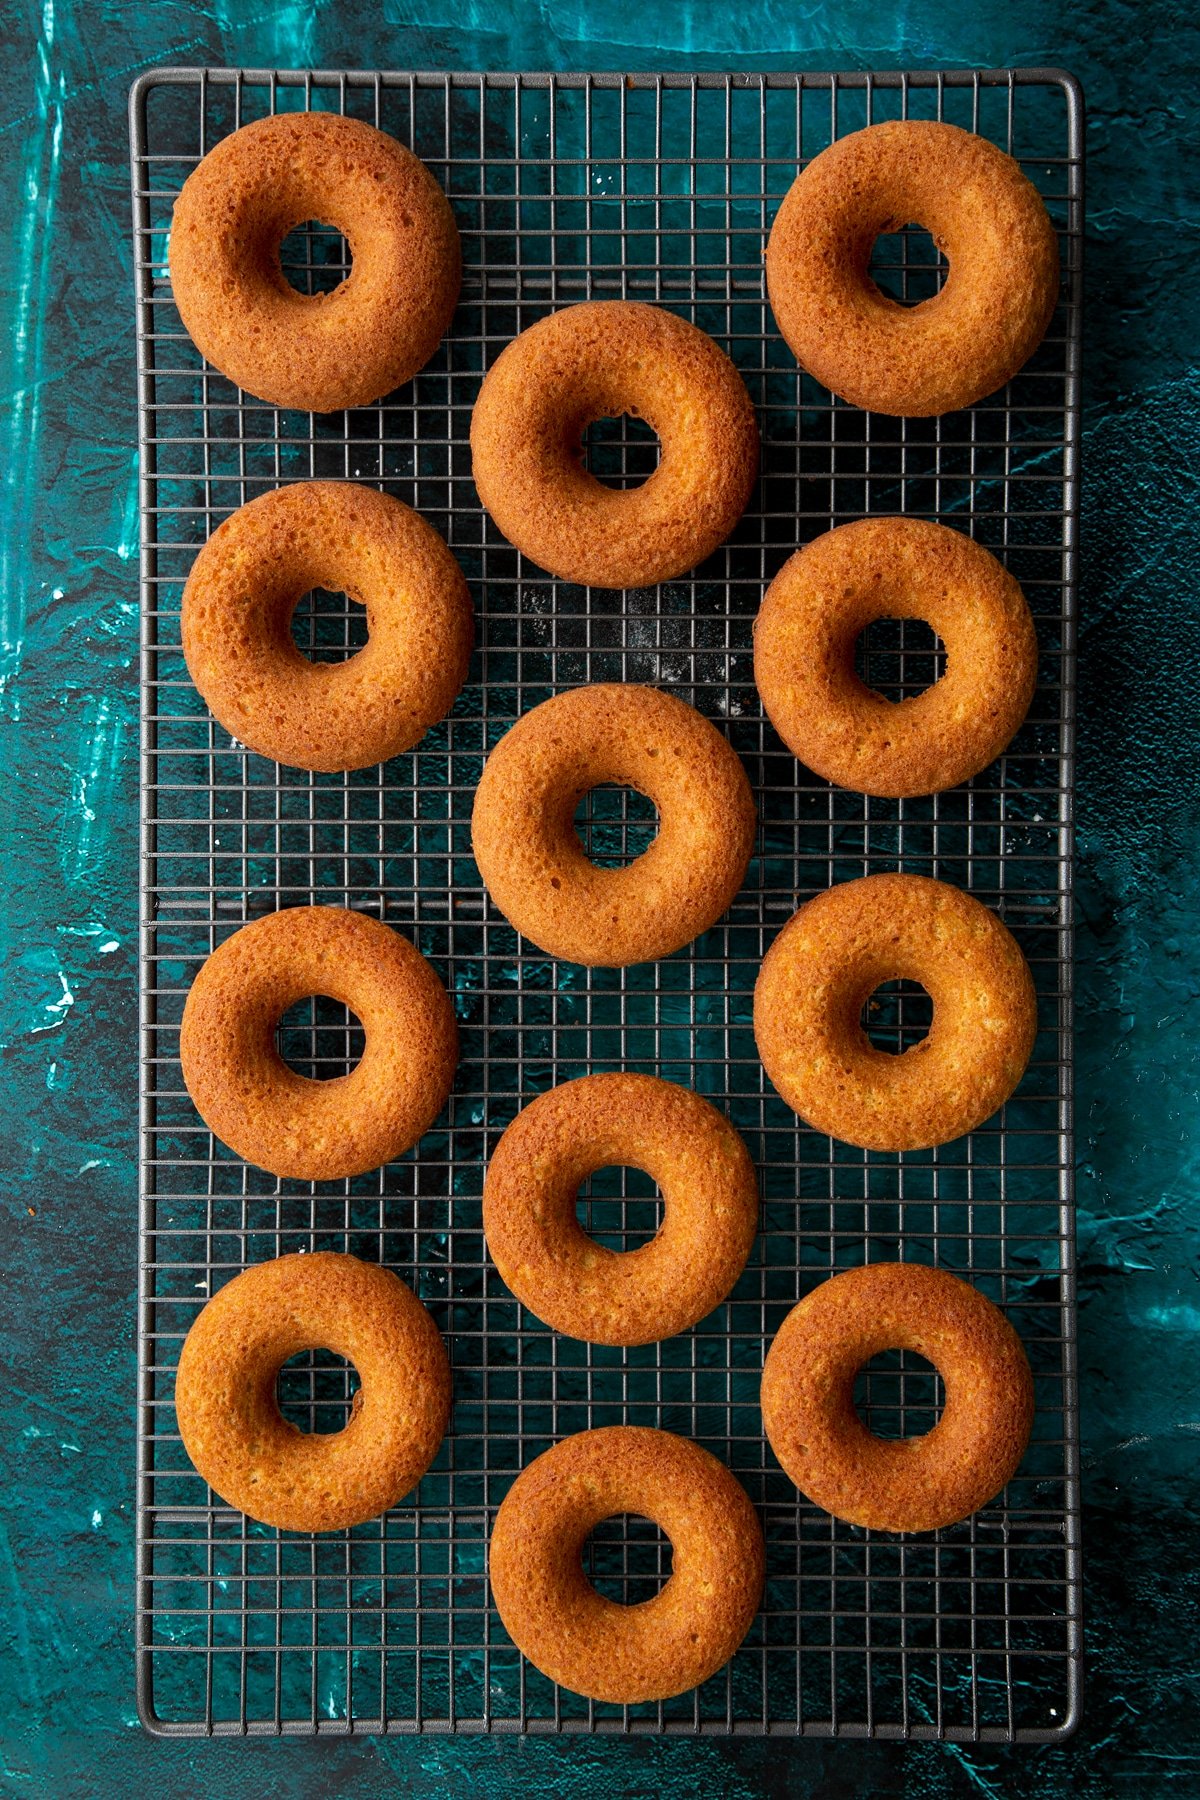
(569, 187)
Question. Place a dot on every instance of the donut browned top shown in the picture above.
(596, 1646)
(827, 961)
(829, 592)
(228, 1412)
(317, 1130)
(237, 637)
(318, 352)
(529, 853)
(710, 1208)
(598, 360)
(984, 215)
(897, 1484)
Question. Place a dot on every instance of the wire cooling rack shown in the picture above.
(659, 188)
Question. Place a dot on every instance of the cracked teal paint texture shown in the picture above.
(68, 608)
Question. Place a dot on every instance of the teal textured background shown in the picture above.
(68, 603)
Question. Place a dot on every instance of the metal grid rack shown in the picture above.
(568, 187)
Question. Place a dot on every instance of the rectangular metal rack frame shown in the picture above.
(660, 188)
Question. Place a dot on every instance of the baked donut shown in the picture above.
(529, 853)
(318, 352)
(826, 963)
(897, 1484)
(237, 614)
(984, 215)
(710, 1208)
(287, 1123)
(598, 360)
(596, 1646)
(228, 1412)
(829, 592)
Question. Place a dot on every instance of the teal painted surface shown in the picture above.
(68, 811)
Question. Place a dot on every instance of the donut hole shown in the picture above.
(907, 266)
(621, 452)
(899, 658)
(898, 1395)
(628, 1558)
(615, 825)
(314, 258)
(328, 627)
(315, 1391)
(897, 1016)
(620, 1207)
(320, 1038)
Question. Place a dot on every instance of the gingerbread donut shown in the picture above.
(228, 1412)
(897, 1484)
(827, 961)
(318, 352)
(830, 591)
(529, 853)
(983, 214)
(710, 1208)
(602, 359)
(293, 1126)
(237, 613)
(593, 1645)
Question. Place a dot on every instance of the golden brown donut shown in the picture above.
(529, 853)
(237, 614)
(984, 215)
(830, 591)
(897, 1484)
(228, 1411)
(596, 1646)
(828, 960)
(318, 352)
(287, 1123)
(600, 360)
(710, 1208)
